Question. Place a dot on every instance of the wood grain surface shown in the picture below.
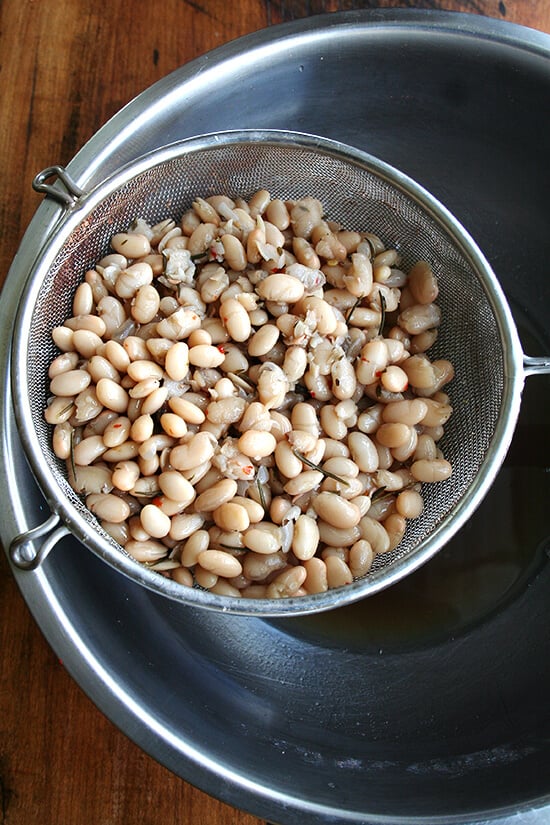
(66, 67)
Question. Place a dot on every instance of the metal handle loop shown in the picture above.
(25, 555)
(534, 366)
(65, 197)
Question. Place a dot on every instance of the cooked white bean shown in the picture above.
(338, 572)
(305, 540)
(219, 493)
(235, 319)
(112, 395)
(220, 562)
(70, 382)
(230, 516)
(430, 471)
(108, 507)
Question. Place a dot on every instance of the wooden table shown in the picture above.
(66, 67)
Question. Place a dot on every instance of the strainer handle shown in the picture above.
(25, 554)
(534, 366)
(67, 196)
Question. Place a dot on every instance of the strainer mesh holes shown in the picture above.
(357, 198)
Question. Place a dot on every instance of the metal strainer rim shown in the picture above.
(72, 216)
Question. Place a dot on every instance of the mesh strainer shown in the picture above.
(478, 334)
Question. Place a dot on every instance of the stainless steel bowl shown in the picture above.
(427, 703)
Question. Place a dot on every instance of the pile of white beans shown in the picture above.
(244, 398)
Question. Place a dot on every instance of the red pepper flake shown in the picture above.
(312, 394)
(277, 270)
(157, 501)
(248, 469)
(116, 426)
(221, 349)
(378, 373)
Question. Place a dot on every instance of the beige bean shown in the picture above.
(63, 338)
(277, 214)
(176, 487)
(154, 401)
(182, 576)
(117, 355)
(235, 319)
(220, 563)
(304, 417)
(144, 388)
(255, 510)
(360, 558)
(131, 245)
(335, 510)
(409, 412)
(125, 474)
(218, 494)
(231, 516)
(173, 425)
(234, 252)
(142, 428)
(95, 478)
(154, 444)
(141, 370)
(185, 525)
(108, 507)
(423, 283)
(338, 572)
(62, 440)
(431, 471)
(332, 425)
(372, 362)
(59, 409)
(197, 543)
(227, 410)
(426, 448)
(316, 578)
(372, 531)
(83, 301)
(258, 566)
(287, 461)
(186, 409)
(257, 444)
(206, 356)
(394, 379)
(419, 318)
(280, 288)
(393, 434)
(154, 521)
(369, 420)
(305, 540)
(303, 483)
(86, 342)
(145, 304)
(395, 526)
(363, 452)
(338, 536)
(69, 383)
(146, 551)
(409, 504)
(92, 323)
(122, 452)
(112, 395)
(263, 341)
(263, 541)
(88, 450)
(63, 363)
(287, 584)
(423, 341)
